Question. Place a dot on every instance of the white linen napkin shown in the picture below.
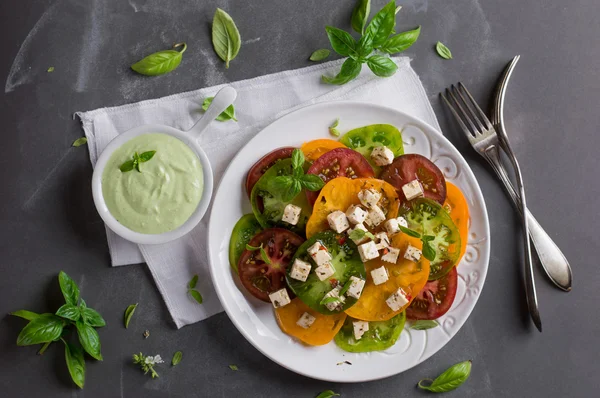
(260, 101)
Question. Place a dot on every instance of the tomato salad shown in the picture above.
(349, 239)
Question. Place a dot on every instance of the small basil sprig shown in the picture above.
(160, 62)
(134, 163)
(428, 250)
(289, 186)
(443, 51)
(191, 289)
(225, 37)
(128, 314)
(358, 234)
(319, 55)
(423, 324)
(449, 380)
(379, 35)
(227, 114)
(263, 253)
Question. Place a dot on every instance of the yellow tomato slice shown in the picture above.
(457, 207)
(320, 332)
(314, 149)
(408, 275)
(341, 192)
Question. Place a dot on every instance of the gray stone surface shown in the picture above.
(48, 221)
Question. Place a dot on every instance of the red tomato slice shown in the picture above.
(263, 165)
(435, 299)
(260, 278)
(407, 168)
(340, 162)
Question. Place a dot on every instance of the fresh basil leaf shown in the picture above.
(176, 358)
(450, 379)
(422, 324)
(128, 314)
(312, 182)
(233, 367)
(364, 48)
(193, 282)
(427, 238)
(160, 62)
(50, 69)
(75, 363)
(252, 248)
(443, 51)
(334, 132)
(298, 172)
(382, 66)
(196, 295)
(360, 15)
(127, 166)
(227, 114)
(93, 318)
(264, 256)
(225, 37)
(79, 142)
(382, 24)
(409, 232)
(146, 156)
(319, 55)
(345, 287)
(350, 69)
(329, 300)
(401, 41)
(68, 288)
(297, 159)
(137, 165)
(42, 329)
(280, 183)
(428, 251)
(89, 339)
(341, 41)
(69, 311)
(335, 124)
(293, 190)
(30, 316)
(356, 234)
(327, 394)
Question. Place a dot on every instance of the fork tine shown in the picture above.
(471, 111)
(481, 114)
(465, 115)
(458, 118)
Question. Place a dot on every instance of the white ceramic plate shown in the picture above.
(255, 319)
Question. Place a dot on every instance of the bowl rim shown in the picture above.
(138, 237)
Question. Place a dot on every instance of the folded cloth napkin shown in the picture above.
(260, 101)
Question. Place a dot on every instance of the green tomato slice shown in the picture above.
(346, 263)
(429, 218)
(364, 139)
(243, 231)
(268, 205)
(380, 336)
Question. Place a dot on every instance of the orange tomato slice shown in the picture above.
(341, 192)
(314, 149)
(456, 206)
(320, 332)
(408, 275)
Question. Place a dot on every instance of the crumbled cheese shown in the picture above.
(382, 155)
(391, 256)
(364, 238)
(280, 298)
(319, 253)
(382, 240)
(300, 270)
(360, 327)
(397, 300)
(324, 271)
(392, 226)
(291, 214)
(412, 253)
(338, 221)
(306, 320)
(379, 275)
(356, 287)
(413, 190)
(375, 216)
(335, 305)
(368, 251)
(355, 214)
(369, 197)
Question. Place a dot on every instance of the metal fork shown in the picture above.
(484, 139)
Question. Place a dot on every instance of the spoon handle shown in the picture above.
(222, 100)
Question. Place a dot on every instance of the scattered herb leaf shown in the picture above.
(443, 51)
(233, 367)
(327, 394)
(160, 62)
(422, 324)
(358, 234)
(79, 142)
(264, 256)
(227, 114)
(410, 232)
(329, 300)
(197, 296)
(128, 314)
(333, 128)
(252, 248)
(176, 358)
(50, 69)
(193, 282)
(428, 251)
(319, 55)
(225, 37)
(451, 379)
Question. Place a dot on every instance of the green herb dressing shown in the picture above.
(166, 192)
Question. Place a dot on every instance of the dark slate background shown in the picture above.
(48, 221)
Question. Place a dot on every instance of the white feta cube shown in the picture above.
(319, 254)
(412, 253)
(300, 270)
(382, 240)
(324, 271)
(382, 155)
(392, 226)
(356, 287)
(360, 327)
(361, 227)
(306, 320)
(369, 197)
(397, 300)
(391, 256)
(368, 251)
(337, 304)
(338, 221)
(356, 215)
(375, 216)
(291, 214)
(279, 298)
(379, 275)
(412, 190)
